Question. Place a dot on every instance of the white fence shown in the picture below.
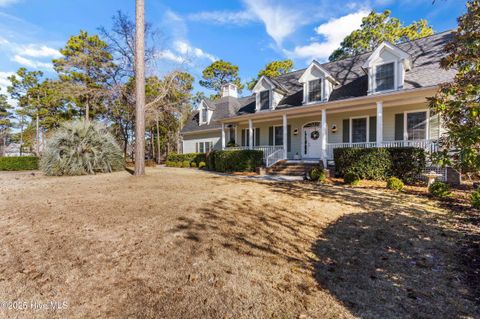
(429, 146)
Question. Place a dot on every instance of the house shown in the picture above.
(377, 99)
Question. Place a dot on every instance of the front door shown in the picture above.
(311, 139)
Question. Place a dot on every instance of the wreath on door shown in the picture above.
(315, 135)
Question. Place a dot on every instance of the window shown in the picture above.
(278, 136)
(256, 137)
(264, 100)
(359, 130)
(204, 115)
(416, 125)
(231, 133)
(385, 77)
(315, 90)
(204, 147)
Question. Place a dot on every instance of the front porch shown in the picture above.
(314, 136)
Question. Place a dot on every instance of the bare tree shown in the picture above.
(140, 88)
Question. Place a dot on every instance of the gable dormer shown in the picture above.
(267, 94)
(386, 68)
(317, 84)
(205, 113)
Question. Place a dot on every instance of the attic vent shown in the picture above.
(229, 89)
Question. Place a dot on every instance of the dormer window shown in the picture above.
(315, 90)
(204, 118)
(386, 68)
(264, 100)
(385, 77)
(317, 83)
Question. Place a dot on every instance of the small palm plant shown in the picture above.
(81, 148)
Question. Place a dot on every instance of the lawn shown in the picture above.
(181, 243)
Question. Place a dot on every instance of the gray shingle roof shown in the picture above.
(426, 54)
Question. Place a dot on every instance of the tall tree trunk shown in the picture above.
(140, 88)
(158, 141)
(21, 135)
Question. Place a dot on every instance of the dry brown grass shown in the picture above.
(183, 243)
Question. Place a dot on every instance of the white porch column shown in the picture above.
(223, 136)
(250, 134)
(323, 138)
(285, 137)
(379, 124)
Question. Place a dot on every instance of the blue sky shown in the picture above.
(192, 34)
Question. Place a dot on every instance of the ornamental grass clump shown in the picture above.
(317, 175)
(81, 148)
(394, 183)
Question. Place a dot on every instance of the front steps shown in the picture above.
(291, 168)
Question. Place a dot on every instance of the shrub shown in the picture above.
(178, 164)
(351, 178)
(80, 148)
(366, 163)
(238, 161)
(193, 164)
(18, 163)
(475, 198)
(439, 189)
(395, 184)
(186, 164)
(190, 157)
(202, 165)
(211, 160)
(317, 174)
(407, 162)
(169, 164)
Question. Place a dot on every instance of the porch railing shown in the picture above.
(429, 146)
(268, 150)
(274, 157)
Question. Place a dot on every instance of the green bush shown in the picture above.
(202, 165)
(317, 174)
(169, 164)
(406, 163)
(475, 198)
(190, 157)
(238, 161)
(193, 164)
(439, 189)
(366, 163)
(80, 148)
(211, 160)
(18, 163)
(394, 183)
(178, 164)
(186, 164)
(351, 178)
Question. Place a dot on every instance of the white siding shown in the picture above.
(189, 141)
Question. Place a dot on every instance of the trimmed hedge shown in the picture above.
(366, 163)
(235, 161)
(18, 163)
(190, 157)
(406, 163)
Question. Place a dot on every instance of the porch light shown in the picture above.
(295, 131)
(334, 128)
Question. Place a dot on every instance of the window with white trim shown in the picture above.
(203, 147)
(416, 125)
(385, 77)
(315, 90)
(264, 100)
(359, 129)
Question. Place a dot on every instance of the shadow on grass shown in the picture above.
(396, 257)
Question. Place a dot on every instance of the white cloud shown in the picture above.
(280, 21)
(4, 3)
(224, 17)
(41, 51)
(333, 32)
(32, 63)
(170, 56)
(187, 50)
